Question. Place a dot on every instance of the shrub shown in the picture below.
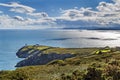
(114, 62)
(19, 75)
(112, 71)
(95, 65)
(76, 75)
(93, 74)
(13, 75)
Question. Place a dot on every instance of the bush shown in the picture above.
(19, 75)
(93, 74)
(95, 65)
(114, 62)
(112, 71)
(13, 75)
(76, 75)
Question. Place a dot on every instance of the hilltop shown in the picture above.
(40, 55)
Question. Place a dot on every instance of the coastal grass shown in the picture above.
(54, 71)
(57, 50)
(36, 47)
(86, 65)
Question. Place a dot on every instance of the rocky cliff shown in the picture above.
(40, 55)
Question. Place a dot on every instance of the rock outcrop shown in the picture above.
(35, 56)
(42, 59)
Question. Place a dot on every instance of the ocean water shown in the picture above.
(12, 40)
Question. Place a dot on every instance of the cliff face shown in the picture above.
(27, 53)
(42, 59)
(36, 55)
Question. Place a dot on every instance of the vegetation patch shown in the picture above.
(86, 65)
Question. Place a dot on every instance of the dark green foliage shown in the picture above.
(96, 71)
(93, 74)
(114, 62)
(13, 75)
(96, 65)
(76, 75)
(112, 71)
(19, 75)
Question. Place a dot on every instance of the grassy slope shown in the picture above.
(48, 49)
(54, 69)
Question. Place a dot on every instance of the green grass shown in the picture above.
(57, 50)
(25, 48)
(76, 68)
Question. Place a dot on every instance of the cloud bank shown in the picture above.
(30, 20)
(106, 16)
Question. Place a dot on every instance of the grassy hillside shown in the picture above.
(49, 49)
(86, 65)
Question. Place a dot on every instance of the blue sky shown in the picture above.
(60, 14)
(52, 7)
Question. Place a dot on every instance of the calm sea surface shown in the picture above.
(12, 40)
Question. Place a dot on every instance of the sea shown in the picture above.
(12, 40)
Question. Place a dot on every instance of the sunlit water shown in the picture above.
(12, 40)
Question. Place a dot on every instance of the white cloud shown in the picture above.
(18, 22)
(26, 10)
(19, 8)
(33, 20)
(116, 1)
(106, 15)
(108, 7)
(18, 18)
(78, 13)
(39, 15)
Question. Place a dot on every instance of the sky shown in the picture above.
(60, 14)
